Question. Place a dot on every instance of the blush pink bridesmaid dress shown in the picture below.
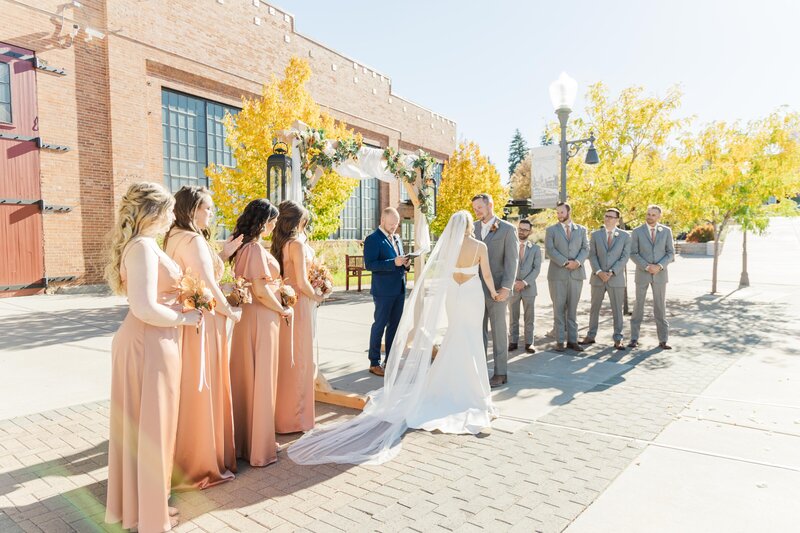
(254, 361)
(294, 408)
(205, 453)
(145, 385)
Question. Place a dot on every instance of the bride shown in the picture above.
(450, 394)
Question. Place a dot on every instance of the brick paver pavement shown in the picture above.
(53, 465)
(538, 478)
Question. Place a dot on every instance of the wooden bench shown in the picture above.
(354, 267)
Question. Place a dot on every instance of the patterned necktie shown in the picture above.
(653, 235)
(609, 239)
(394, 244)
(521, 251)
(569, 231)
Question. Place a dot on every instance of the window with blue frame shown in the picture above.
(194, 136)
(361, 215)
(5, 92)
(437, 179)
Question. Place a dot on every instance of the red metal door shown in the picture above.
(21, 254)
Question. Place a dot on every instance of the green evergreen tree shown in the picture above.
(517, 151)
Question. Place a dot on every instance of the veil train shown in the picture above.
(373, 436)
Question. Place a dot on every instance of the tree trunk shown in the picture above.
(744, 279)
(717, 237)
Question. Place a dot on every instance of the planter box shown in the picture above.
(697, 248)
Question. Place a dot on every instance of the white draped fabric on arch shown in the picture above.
(370, 164)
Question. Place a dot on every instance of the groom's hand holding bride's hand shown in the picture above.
(502, 296)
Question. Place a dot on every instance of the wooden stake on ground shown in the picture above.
(324, 393)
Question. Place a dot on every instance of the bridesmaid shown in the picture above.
(145, 362)
(254, 348)
(294, 409)
(204, 450)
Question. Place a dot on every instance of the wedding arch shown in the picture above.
(312, 154)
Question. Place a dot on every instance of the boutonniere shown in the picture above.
(494, 227)
(616, 234)
(660, 228)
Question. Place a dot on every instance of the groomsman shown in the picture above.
(567, 246)
(502, 247)
(530, 263)
(383, 255)
(609, 251)
(652, 250)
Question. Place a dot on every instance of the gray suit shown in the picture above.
(503, 258)
(529, 267)
(646, 252)
(612, 259)
(565, 285)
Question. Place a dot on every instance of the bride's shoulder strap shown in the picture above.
(477, 251)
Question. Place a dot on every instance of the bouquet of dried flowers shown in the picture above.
(194, 294)
(237, 292)
(288, 297)
(320, 278)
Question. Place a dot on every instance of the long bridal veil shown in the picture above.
(373, 436)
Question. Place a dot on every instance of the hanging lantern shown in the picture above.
(279, 172)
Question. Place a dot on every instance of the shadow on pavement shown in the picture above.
(35, 330)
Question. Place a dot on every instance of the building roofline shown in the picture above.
(355, 61)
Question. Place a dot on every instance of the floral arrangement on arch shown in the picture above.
(319, 153)
(424, 163)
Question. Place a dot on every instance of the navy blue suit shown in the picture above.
(388, 290)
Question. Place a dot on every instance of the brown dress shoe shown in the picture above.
(633, 344)
(559, 346)
(377, 370)
(664, 346)
(512, 346)
(498, 380)
(618, 345)
(587, 340)
(529, 348)
(574, 346)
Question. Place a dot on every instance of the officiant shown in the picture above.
(384, 257)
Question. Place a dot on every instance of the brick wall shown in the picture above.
(108, 108)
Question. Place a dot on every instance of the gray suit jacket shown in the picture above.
(560, 250)
(529, 268)
(609, 258)
(503, 250)
(645, 252)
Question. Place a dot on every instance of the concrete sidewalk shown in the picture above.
(701, 438)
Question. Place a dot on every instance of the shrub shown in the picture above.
(703, 233)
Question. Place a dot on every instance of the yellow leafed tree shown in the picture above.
(251, 135)
(466, 174)
(730, 171)
(633, 132)
(521, 179)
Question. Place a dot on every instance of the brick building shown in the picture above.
(96, 94)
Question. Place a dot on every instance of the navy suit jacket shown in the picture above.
(388, 279)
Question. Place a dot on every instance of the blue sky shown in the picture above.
(488, 65)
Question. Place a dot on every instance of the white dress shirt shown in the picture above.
(485, 227)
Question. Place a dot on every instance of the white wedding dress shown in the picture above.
(451, 395)
(457, 397)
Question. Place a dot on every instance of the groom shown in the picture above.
(383, 256)
(501, 243)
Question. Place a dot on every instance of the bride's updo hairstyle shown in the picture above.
(142, 205)
(470, 230)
